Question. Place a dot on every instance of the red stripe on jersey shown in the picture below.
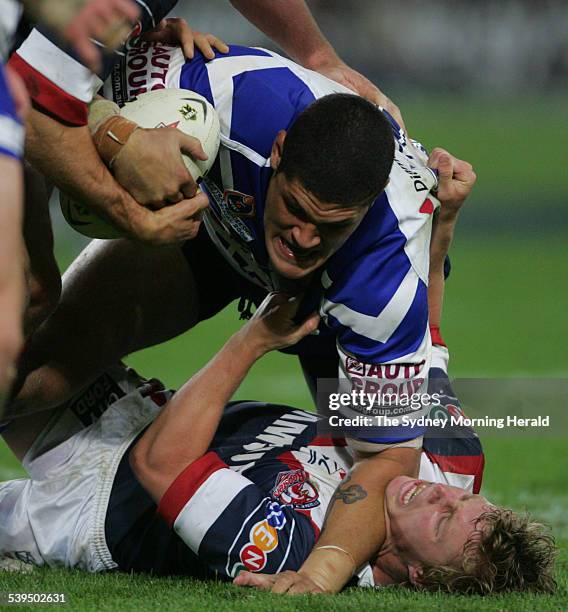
(184, 487)
(328, 441)
(291, 461)
(437, 336)
(471, 465)
(49, 96)
(479, 476)
(427, 207)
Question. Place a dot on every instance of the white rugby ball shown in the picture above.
(164, 108)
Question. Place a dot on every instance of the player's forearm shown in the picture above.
(356, 522)
(442, 236)
(185, 428)
(68, 158)
(291, 25)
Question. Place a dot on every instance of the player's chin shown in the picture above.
(293, 268)
(291, 271)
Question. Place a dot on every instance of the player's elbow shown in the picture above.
(145, 465)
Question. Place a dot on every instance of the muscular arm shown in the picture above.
(291, 25)
(68, 158)
(184, 429)
(456, 181)
(442, 236)
(355, 520)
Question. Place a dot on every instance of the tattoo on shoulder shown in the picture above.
(349, 494)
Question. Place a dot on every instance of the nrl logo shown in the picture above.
(188, 112)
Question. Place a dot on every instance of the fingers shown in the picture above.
(177, 31)
(450, 167)
(207, 42)
(309, 325)
(445, 167)
(284, 581)
(191, 146)
(181, 221)
(192, 207)
(263, 582)
(183, 35)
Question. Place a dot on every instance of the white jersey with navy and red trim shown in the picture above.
(262, 508)
(55, 77)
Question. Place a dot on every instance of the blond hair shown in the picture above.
(507, 552)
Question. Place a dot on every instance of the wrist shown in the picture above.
(100, 110)
(111, 135)
(324, 55)
(330, 567)
(449, 212)
(247, 346)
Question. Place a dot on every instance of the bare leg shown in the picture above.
(11, 271)
(118, 296)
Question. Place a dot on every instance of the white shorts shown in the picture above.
(57, 516)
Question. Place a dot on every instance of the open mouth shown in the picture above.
(411, 491)
(292, 253)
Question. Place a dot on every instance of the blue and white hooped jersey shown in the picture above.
(11, 128)
(373, 291)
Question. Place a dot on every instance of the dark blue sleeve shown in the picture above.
(231, 524)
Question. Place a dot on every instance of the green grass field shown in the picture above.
(504, 317)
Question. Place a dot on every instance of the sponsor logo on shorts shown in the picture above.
(263, 539)
(293, 488)
(253, 558)
(95, 400)
(275, 515)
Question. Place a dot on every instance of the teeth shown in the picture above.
(287, 246)
(414, 492)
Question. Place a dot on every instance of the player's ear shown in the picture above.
(414, 574)
(277, 146)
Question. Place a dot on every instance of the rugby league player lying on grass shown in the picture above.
(246, 486)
